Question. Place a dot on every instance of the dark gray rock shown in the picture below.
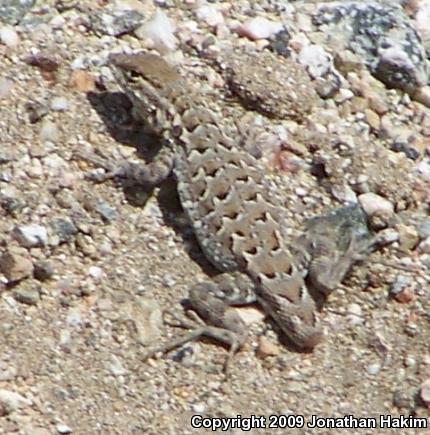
(12, 11)
(43, 270)
(27, 296)
(64, 229)
(107, 212)
(383, 35)
(115, 23)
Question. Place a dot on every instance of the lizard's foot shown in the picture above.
(230, 338)
(212, 301)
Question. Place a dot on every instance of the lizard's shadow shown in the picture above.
(115, 110)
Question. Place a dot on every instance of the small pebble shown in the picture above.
(11, 401)
(49, 131)
(115, 23)
(425, 391)
(424, 229)
(198, 408)
(74, 317)
(355, 314)
(372, 118)
(401, 289)
(27, 296)
(259, 28)
(316, 60)
(343, 95)
(250, 314)
(30, 236)
(107, 212)
(59, 104)
(36, 110)
(15, 267)
(95, 272)
(63, 428)
(402, 399)
(82, 81)
(374, 369)
(8, 36)
(408, 237)
(6, 86)
(63, 229)
(210, 15)
(116, 367)
(146, 316)
(168, 280)
(267, 348)
(160, 31)
(372, 203)
(43, 60)
(424, 246)
(410, 361)
(187, 354)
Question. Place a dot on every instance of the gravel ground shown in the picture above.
(88, 268)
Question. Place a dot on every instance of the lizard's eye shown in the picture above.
(133, 75)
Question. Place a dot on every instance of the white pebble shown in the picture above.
(198, 408)
(374, 369)
(210, 15)
(343, 95)
(63, 428)
(49, 131)
(373, 203)
(168, 280)
(315, 59)
(95, 272)
(116, 367)
(74, 317)
(160, 31)
(31, 235)
(59, 104)
(300, 191)
(65, 338)
(8, 36)
(423, 169)
(425, 391)
(55, 163)
(77, 63)
(410, 361)
(259, 28)
(5, 86)
(57, 22)
(11, 401)
(354, 315)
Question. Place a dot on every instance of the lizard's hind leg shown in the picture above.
(329, 267)
(148, 175)
(212, 301)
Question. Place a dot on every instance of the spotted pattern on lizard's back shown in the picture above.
(234, 208)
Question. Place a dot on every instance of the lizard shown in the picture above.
(235, 211)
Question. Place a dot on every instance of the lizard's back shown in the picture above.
(236, 214)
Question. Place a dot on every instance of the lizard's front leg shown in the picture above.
(149, 175)
(212, 301)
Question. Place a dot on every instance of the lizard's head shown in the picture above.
(144, 67)
(146, 78)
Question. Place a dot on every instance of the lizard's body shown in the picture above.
(233, 207)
